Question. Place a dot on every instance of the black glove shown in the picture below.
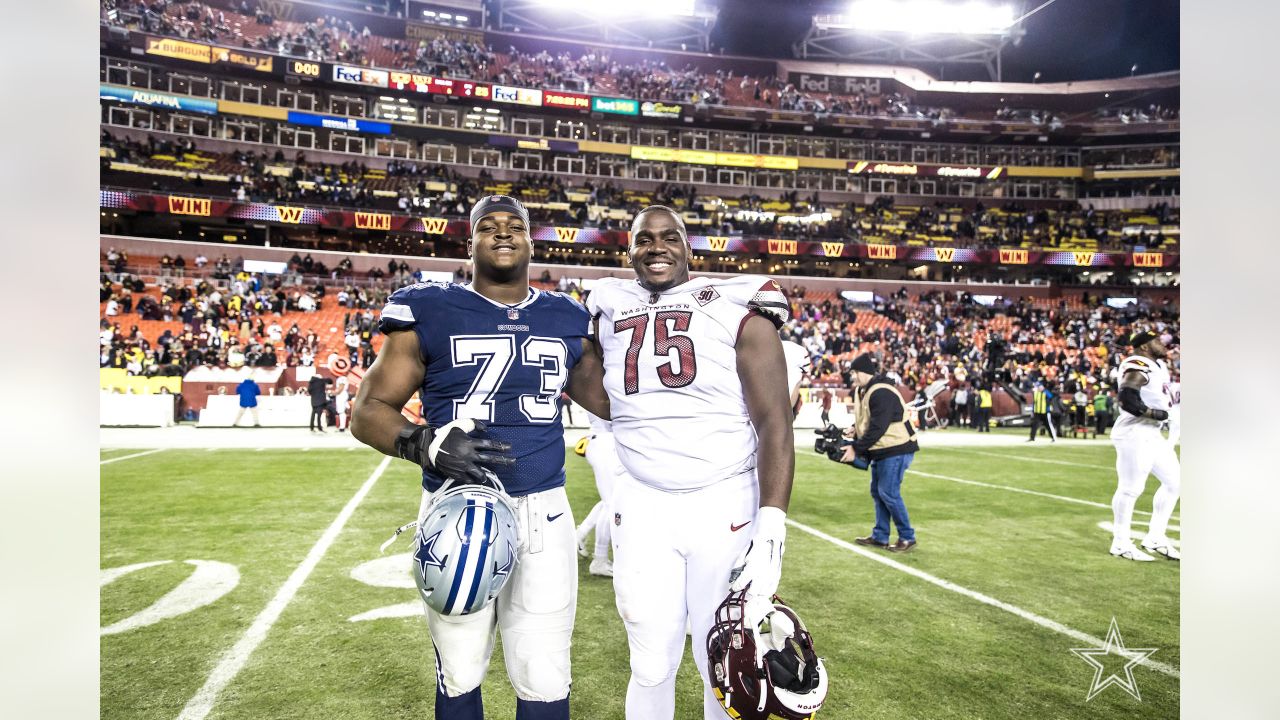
(454, 450)
(1157, 414)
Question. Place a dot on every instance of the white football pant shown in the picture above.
(672, 554)
(534, 611)
(602, 453)
(1136, 457)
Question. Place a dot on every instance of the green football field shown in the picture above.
(1011, 573)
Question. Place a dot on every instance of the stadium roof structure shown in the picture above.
(670, 24)
(917, 32)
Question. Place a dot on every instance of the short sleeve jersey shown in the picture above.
(671, 371)
(798, 363)
(503, 364)
(1155, 394)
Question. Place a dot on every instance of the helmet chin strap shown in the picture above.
(396, 534)
(438, 495)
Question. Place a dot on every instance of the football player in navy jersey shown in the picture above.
(490, 360)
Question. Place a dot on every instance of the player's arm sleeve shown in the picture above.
(586, 382)
(397, 314)
(1131, 392)
(395, 375)
(760, 364)
(769, 301)
(882, 406)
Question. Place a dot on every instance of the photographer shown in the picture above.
(884, 437)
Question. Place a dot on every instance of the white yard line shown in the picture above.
(133, 455)
(1028, 458)
(1044, 622)
(235, 658)
(1010, 488)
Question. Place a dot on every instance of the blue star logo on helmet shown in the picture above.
(426, 554)
(467, 548)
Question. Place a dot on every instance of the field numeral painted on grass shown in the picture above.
(205, 585)
(392, 572)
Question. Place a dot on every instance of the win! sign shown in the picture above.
(373, 221)
(190, 206)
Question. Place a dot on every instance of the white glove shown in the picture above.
(759, 567)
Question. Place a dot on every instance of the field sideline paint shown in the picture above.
(985, 599)
(134, 455)
(234, 660)
(1010, 488)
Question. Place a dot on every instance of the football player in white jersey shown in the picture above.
(798, 366)
(599, 450)
(1175, 412)
(705, 449)
(1142, 450)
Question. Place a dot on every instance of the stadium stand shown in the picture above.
(329, 38)
(221, 315)
(1077, 190)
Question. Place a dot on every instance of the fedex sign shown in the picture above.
(835, 83)
(519, 96)
(360, 76)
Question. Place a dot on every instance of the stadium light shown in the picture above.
(930, 16)
(650, 7)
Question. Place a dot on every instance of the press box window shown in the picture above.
(389, 108)
(488, 119)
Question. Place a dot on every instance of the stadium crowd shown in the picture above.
(429, 189)
(1072, 347)
(231, 318)
(334, 39)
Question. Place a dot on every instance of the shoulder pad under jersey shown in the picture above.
(763, 295)
(405, 306)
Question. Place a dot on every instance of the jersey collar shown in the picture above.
(533, 295)
(686, 286)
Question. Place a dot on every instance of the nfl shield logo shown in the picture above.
(617, 518)
(513, 314)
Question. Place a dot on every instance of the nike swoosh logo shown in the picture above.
(736, 528)
(552, 518)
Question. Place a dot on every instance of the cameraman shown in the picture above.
(884, 436)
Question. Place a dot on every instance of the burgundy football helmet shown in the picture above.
(767, 672)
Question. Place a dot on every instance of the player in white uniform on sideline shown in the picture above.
(705, 450)
(798, 366)
(1142, 450)
(598, 449)
(341, 399)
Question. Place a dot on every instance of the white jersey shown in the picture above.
(671, 371)
(1155, 394)
(798, 363)
(597, 424)
(1175, 412)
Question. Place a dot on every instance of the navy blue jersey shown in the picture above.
(505, 365)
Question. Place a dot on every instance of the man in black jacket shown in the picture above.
(882, 434)
(317, 388)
